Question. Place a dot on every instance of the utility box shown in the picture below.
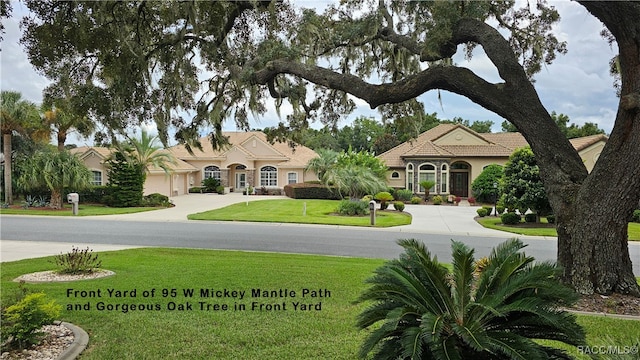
(73, 199)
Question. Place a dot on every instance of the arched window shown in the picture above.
(212, 171)
(444, 176)
(410, 177)
(268, 176)
(427, 172)
(395, 175)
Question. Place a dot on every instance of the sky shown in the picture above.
(577, 84)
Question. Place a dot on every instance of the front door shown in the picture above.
(460, 184)
(241, 180)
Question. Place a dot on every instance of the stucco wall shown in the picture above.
(591, 154)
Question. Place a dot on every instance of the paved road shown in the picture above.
(436, 226)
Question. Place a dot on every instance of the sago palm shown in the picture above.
(422, 310)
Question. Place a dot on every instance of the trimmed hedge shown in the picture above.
(311, 191)
(551, 219)
(482, 212)
(510, 218)
(398, 205)
(531, 218)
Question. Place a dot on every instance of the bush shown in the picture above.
(367, 198)
(500, 209)
(416, 200)
(210, 184)
(551, 219)
(497, 309)
(482, 212)
(636, 216)
(311, 191)
(353, 208)
(403, 195)
(471, 200)
(77, 261)
(383, 197)
(220, 189)
(156, 199)
(510, 218)
(489, 209)
(482, 186)
(196, 190)
(531, 218)
(95, 194)
(437, 200)
(21, 321)
(398, 205)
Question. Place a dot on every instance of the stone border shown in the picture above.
(80, 342)
(52, 276)
(614, 316)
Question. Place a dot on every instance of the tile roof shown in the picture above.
(586, 141)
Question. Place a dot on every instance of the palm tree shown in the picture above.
(147, 152)
(355, 181)
(429, 312)
(63, 122)
(54, 170)
(427, 185)
(15, 115)
(322, 163)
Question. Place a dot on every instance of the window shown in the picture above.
(427, 172)
(395, 175)
(212, 172)
(292, 178)
(444, 176)
(268, 176)
(410, 177)
(96, 177)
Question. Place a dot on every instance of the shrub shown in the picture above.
(531, 218)
(418, 308)
(77, 261)
(196, 190)
(482, 212)
(383, 197)
(437, 200)
(398, 205)
(156, 199)
(471, 200)
(311, 191)
(458, 199)
(482, 186)
(220, 189)
(488, 208)
(499, 209)
(94, 194)
(367, 198)
(416, 200)
(21, 321)
(510, 218)
(636, 216)
(551, 219)
(353, 208)
(210, 184)
(404, 195)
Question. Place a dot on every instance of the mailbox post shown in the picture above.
(372, 211)
(73, 199)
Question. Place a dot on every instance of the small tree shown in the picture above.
(55, 171)
(321, 164)
(523, 187)
(427, 185)
(355, 181)
(482, 186)
(127, 180)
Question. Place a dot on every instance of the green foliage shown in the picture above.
(311, 191)
(575, 131)
(355, 181)
(522, 185)
(416, 200)
(398, 205)
(636, 216)
(220, 189)
(353, 208)
(551, 219)
(420, 309)
(156, 199)
(363, 159)
(196, 190)
(427, 185)
(22, 320)
(500, 209)
(437, 200)
(367, 198)
(482, 212)
(384, 197)
(95, 194)
(321, 164)
(510, 218)
(77, 261)
(404, 195)
(146, 153)
(531, 217)
(482, 186)
(488, 208)
(126, 180)
(210, 184)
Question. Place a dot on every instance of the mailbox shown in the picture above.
(372, 212)
(73, 198)
(372, 205)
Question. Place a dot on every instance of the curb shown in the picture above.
(615, 316)
(80, 342)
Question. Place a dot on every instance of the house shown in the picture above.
(249, 160)
(453, 155)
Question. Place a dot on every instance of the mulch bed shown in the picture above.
(610, 304)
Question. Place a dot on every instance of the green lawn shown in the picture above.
(292, 211)
(83, 210)
(492, 222)
(326, 333)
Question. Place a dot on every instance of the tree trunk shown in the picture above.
(8, 190)
(56, 199)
